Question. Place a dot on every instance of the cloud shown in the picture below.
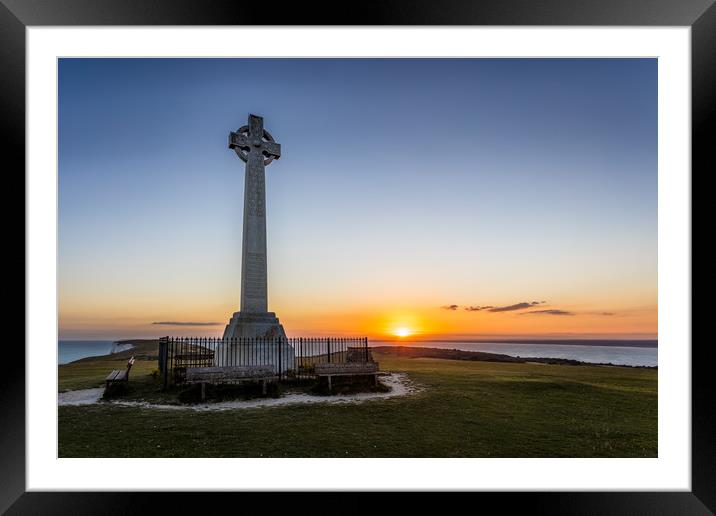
(181, 323)
(607, 313)
(548, 312)
(491, 308)
(516, 306)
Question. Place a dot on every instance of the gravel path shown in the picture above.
(81, 397)
(399, 383)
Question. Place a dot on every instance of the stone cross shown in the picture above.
(255, 146)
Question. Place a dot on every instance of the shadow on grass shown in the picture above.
(148, 388)
(192, 393)
(348, 385)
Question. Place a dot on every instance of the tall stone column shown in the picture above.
(257, 148)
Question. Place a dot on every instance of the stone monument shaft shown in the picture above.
(254, 145)
(257, 148)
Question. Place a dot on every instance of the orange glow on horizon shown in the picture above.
(115, 319)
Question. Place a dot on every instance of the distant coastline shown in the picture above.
(69, 351)
(456, 354)
(624, 352)
(118, 347)
(133, 342)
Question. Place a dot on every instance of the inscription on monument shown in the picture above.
(256, 194)
(255, 277)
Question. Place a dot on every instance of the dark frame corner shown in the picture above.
(700, 15)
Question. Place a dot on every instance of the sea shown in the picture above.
(71, 350)
(637, 355)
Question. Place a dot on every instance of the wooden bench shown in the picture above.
(194, 359)
(331, 369)
(262, 374)
(118, 375)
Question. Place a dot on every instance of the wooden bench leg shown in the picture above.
(203, 391)
(329, 384)
(263, 387)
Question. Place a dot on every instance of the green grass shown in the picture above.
(91, 372)
(466, 409)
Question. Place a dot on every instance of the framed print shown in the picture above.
(405, 248)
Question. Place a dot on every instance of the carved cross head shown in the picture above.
(254, 142)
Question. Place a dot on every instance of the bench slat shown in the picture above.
(346, 368)
(227, 374)
(111, 376)
(359, 373)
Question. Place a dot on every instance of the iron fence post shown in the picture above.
(160, 357)
(164, 358)
(280, 364)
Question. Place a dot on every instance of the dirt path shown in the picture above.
(80, 397)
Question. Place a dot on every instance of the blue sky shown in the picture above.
(415, 182)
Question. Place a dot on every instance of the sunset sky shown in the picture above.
(444, 198)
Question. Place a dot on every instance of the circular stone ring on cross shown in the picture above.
(243, 152)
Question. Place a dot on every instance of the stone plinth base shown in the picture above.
(279, 355)
(254, 325)
(275, 351)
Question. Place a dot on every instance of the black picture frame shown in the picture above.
(17, 15)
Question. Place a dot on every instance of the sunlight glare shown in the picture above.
(402, 332)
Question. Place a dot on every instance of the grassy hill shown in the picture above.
(89, 372)
(467, 408)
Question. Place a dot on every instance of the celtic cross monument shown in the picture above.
(257, 148)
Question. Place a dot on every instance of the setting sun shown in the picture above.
(402, 332)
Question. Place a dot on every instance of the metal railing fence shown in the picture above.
(292, 358)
